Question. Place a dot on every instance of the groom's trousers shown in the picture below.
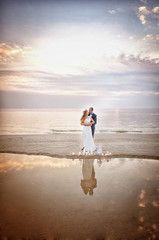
(93, 130)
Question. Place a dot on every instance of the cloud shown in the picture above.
(43, 83)
(137, 62)
(144, 10)
(152, 37)
(151, 43)
(155, 10)
(148, 36)
(142, 19)
(112, 11)
(144, 1)
(45, 89)
(145, 14)
(95, 84)
(16, 99)
(131, 37)
(131, 93)
(13, 53)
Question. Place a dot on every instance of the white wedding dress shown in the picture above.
(88, 141)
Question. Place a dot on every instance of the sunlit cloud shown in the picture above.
(144, 10)
(146, 15)
(143, 19)
(155, 9)
(14, 53)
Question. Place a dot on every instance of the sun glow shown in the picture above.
(76, 53)
(71, 52)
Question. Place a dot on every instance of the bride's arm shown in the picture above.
(85, 124)
(92, 121)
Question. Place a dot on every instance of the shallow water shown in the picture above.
(46, 198)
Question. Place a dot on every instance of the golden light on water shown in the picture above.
(17, 162)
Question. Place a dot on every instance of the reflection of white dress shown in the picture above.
(88, 141)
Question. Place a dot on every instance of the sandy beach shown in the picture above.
(62, 145)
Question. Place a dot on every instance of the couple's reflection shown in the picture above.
(89, 182)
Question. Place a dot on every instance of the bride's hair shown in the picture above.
(84, 115)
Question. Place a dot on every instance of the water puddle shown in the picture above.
(49, 198)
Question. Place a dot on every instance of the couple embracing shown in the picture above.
(88, 120)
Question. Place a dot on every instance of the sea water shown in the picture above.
(50, 121)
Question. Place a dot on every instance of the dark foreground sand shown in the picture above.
(62, 145)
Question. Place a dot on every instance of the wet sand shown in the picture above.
(62, 145)
(65, 199)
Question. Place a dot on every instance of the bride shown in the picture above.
(88, 140)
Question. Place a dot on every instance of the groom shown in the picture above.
(94, 116)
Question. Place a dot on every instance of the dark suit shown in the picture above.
(94, 116)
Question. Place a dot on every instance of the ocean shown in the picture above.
(50, 121)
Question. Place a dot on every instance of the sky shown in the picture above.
(76, 54)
